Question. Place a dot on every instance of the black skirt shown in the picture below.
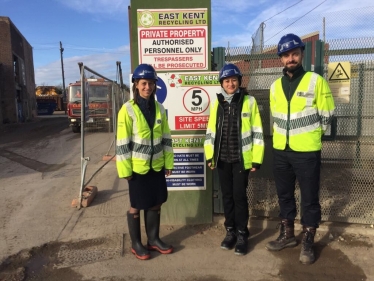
(149, 190)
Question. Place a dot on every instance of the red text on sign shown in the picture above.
(191, 122)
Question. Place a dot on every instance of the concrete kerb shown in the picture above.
(329, 227)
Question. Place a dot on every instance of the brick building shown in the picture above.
(17, 79)
(269, 62)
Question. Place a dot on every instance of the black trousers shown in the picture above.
(234, 182)
(305, 167)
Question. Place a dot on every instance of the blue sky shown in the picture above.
(96, 31)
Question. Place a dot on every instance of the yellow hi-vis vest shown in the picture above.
(251, 133)
(138, 147)
(302, 121)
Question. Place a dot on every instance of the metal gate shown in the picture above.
(347, 173)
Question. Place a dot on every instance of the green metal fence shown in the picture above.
(347, 174)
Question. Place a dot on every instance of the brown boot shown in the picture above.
(286, 237)
(307, 252)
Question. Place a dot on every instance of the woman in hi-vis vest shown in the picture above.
(144, 158)
(234, 145)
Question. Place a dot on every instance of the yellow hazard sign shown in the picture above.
(339, 72)
(339, 78)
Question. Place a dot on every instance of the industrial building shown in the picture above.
(17, 79)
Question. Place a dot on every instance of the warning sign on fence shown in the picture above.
(339, 78)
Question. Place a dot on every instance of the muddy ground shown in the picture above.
(43, 238)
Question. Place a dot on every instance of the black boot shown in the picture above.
(230, 239)
(152, 227)
(241, 243)
(307, 252)
(286, 237)
(137, 247)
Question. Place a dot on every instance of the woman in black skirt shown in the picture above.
(144, 157)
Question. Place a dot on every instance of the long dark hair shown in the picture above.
(135, 91)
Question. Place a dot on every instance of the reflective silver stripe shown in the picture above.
(305, 118)
(280, 130)
(168, 149)
(258, 136)
(167, 143)
(142, 148)
(123, 157)
(280, 120)
(246, 141)
(162, 109)
(130, 111)
(326, 118)
(139, 140)
(124, 141)
(312, 82)
(272, 90)
(305, 129)
(139, 155)
(247, 147)
(145, 147)
(258, 142)
(209, 137)
(123, 146)
(280, 115)
(158, 155)
(157, 140)
(251, 102)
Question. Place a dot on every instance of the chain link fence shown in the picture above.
(347, 174)
(93, 106)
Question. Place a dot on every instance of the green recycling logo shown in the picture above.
(146, 19)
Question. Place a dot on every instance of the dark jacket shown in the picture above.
(228, 140)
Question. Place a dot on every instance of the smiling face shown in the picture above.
(292, 59)
(146, 87)
(230, 84)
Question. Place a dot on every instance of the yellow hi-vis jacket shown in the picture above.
(139, 147)
(251, 139)
(301, 122)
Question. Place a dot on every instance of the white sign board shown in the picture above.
(173, 39)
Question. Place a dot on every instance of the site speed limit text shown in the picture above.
(196, 100)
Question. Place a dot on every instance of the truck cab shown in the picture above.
(100, 95)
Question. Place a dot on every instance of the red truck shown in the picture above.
(101, 96)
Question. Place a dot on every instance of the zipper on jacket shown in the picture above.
(288, 114)
(228, 133)
(152, 149)
(220, 134)
(239, 123)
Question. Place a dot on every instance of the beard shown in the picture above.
(292, 66)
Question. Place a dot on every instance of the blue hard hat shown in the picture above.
(288, 42)
(144, 71)
(229, 70)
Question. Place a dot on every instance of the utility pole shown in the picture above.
(63, 78)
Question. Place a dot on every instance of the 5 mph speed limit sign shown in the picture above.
(196, 100)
